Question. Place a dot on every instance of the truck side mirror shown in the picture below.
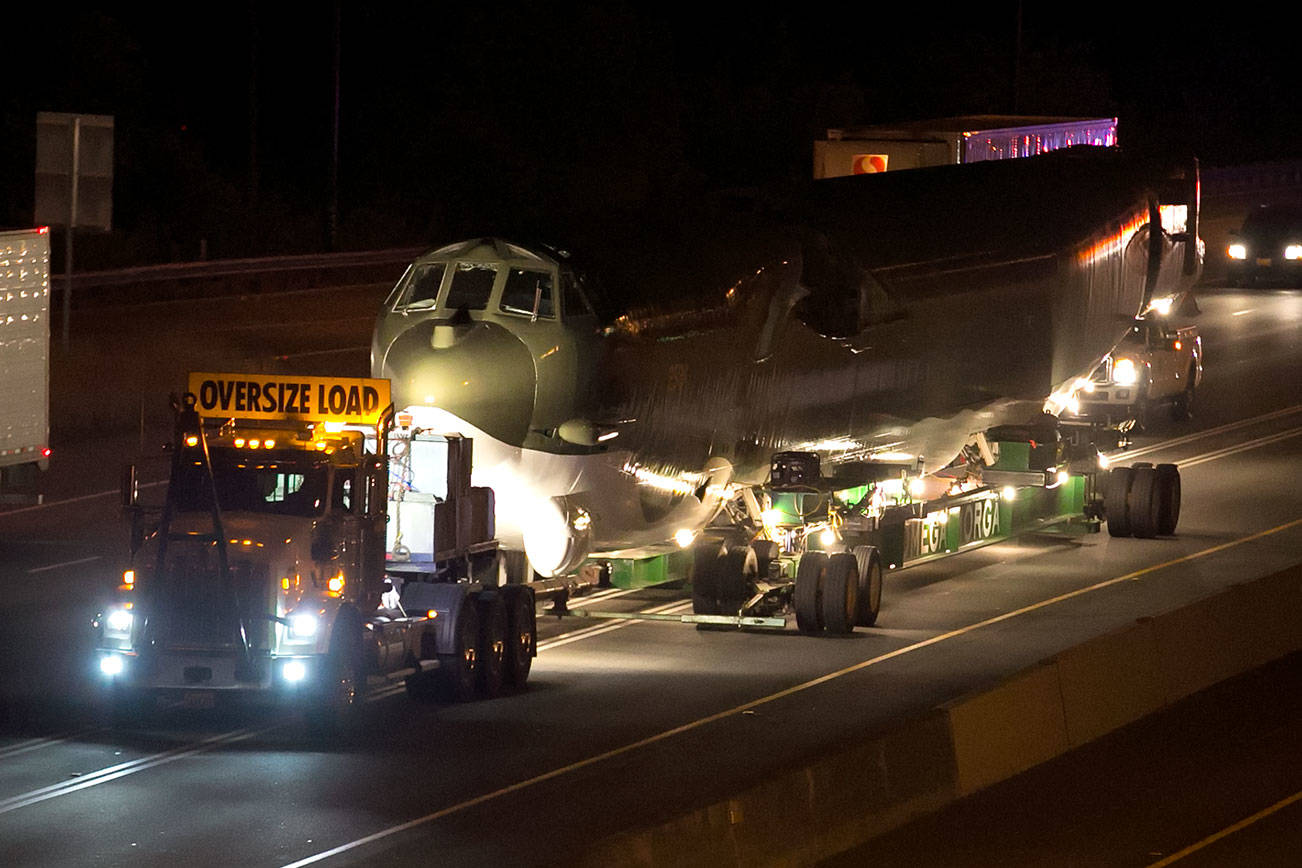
(137, 531)
(130, 487)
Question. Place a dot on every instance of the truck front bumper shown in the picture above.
(267, 677)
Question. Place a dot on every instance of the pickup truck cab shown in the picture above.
(1155, 364)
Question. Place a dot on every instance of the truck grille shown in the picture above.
(193, 608)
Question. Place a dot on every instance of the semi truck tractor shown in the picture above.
(264, 574)
(25, 361)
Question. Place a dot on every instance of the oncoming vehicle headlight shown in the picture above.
(1237, 251)
(118, 622)
(1125, 372)
(1293, 252)
(302, 625)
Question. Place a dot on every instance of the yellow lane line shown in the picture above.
(1242, 824)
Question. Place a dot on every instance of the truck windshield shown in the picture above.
(265, 485)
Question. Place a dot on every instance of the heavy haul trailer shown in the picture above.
(816, 548)
(263, 575)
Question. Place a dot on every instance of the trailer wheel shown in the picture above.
(840, 604)
(739, 569)
(458, 672)
(492, 644)
(1142, 504)
(808, 597)
(343, 680)
(766, 552)
(707, 568)
(1116, 500)
(522, 635)
(1168, 498)
(869, 563)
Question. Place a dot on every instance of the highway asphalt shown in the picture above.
(624, 724)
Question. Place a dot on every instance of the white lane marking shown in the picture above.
(64, 564)
(598, 629)
(1198, 435)
(1241, 447)
(32, 744)
(1242, 312)
(80, 499)
(121, 770)
(781, 694)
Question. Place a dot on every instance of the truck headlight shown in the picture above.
(1237, 251)
(302, 626)
(1125, 372)
(111, 665)
(1293, 251)
(118, 622)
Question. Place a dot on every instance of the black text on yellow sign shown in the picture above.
(267, 396)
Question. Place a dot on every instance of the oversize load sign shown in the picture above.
(268, 396)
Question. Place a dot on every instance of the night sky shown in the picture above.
(564, 120)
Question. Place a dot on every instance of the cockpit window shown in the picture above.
(525, 287)
(472, 284)
(422, 285)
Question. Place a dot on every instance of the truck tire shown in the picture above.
(736, 578)
(1116, 501)
(458, 672)
(707, 567)
(869, 563)
(492, 644)
(840, 604)
(1142, 503)
(338, 699)
(808, 596)
(1182, 408)
(1168, 498)
(766, 552)
(522, 636)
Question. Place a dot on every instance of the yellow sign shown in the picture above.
(350, 400)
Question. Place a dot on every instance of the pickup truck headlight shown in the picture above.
(302, 625)
(1237, 251)
(1125, 372)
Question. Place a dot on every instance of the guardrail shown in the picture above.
(234, 276)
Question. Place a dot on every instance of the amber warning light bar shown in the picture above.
(349, 400)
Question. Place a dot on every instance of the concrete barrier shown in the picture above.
(851, 794)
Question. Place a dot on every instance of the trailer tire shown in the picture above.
(808, 596)
(492, 644)
(458, 672)
(1168, 498)
(1142, 503)
(840, 604)
(869, 562)
(766, 552)
(736, 578)
(707, 568)
(1116, 500)
(522, 635)
(342, 690)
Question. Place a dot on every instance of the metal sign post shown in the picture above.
(74, 181)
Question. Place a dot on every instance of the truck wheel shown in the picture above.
(1142, 504)
(492, 645)
(1182, 409)
(1116, 500)
(736, 578)
(869, 563)
(707, 568)
(808, 597)
(458, 672)
(342, 690)
(840, 604)
(1168, 498)
(766, 552)
(522, 636)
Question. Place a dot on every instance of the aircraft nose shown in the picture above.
(478, 371)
